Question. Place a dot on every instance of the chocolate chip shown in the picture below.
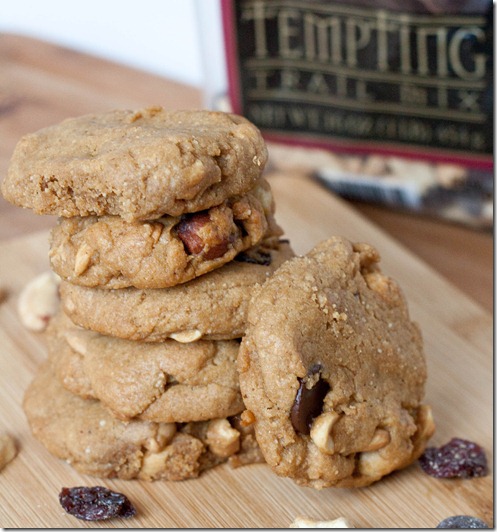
(308, 402)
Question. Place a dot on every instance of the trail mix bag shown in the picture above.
(383, 101)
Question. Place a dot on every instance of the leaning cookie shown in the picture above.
(94, 442)
(212, 306)
(107, 252)
(139, 165)
(162, 382)
(333, 371)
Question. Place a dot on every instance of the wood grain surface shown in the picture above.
(458, 341)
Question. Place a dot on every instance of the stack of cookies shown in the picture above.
(165, 227)
(174, 319)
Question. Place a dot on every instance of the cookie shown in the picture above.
(94, 442)
(164, 382)
(333, 371)
(107, 252)
(139, 165)
(212, 306)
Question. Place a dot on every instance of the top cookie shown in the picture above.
(139, 165)
(333, 371)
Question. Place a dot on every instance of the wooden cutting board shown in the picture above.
(458, 339)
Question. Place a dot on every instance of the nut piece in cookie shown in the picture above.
(333, 371)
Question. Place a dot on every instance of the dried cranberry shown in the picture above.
(462, 521)
(458, 458)
(95, 503)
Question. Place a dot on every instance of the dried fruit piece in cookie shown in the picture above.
(457, 458)
(462, 521)
(333, 371)
(95, 503)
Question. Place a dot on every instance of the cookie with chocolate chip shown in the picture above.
(332, 369)
(139, 165)
(163, 382)
(107, 252)
(212, 306)
(85, 435)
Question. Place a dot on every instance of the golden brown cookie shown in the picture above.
(212, 306)
(88, 437)
(332, 368)
(107, 252)
(162, 382)
(139, 165)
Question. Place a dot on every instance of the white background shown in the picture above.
(166, 37)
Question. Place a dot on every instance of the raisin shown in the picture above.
(257, 256)
(462, 521)
(308, 402)
(95, 503)
(458, 458)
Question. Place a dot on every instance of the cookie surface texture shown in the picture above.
(333, 369)
(107, 252)
(138, 165)
(162, 382)
(94, 442)
(212, 306)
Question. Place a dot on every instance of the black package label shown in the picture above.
(367, 75)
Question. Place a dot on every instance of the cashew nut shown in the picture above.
(321, 432)
(185, 337)
(304, 522)
(39, 301)
(83, 259)
(223, 440)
